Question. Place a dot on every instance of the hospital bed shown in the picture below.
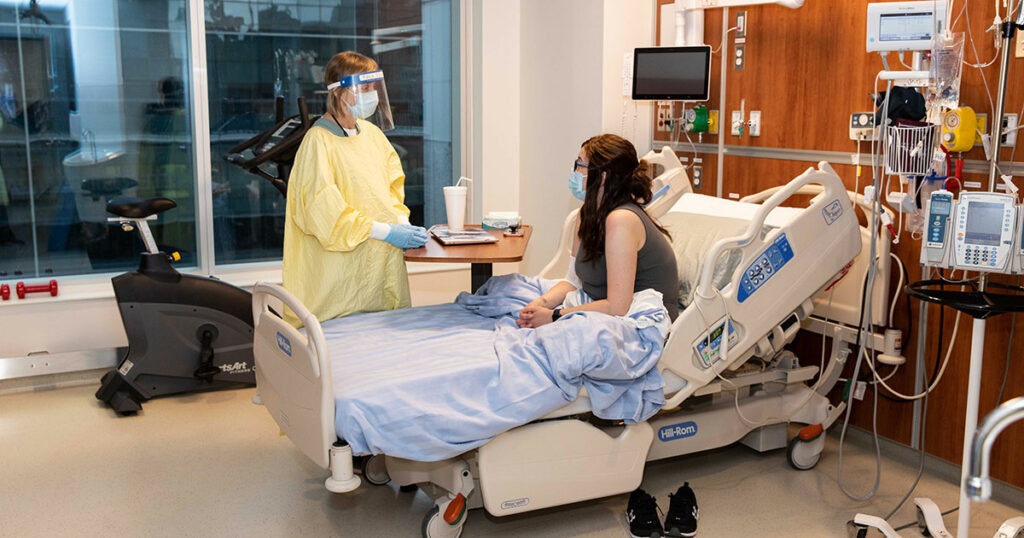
(751, 273)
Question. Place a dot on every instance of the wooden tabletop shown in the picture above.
(507, 249)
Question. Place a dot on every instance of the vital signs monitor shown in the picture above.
(895, 26)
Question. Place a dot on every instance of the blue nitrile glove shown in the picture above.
(406, 236)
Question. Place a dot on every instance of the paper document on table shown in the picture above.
(464, 237)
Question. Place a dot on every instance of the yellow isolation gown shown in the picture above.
(339, 185)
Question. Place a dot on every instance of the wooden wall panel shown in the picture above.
(807, 71)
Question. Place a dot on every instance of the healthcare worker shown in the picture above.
(346, 223)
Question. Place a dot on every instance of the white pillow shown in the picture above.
(693, 235)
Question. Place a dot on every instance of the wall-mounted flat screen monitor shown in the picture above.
(672, 73)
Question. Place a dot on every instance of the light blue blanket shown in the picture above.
(432, 382)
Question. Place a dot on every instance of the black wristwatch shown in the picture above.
(555, 314)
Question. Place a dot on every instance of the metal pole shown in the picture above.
(920, 382)
(970, 423)
(996, 129)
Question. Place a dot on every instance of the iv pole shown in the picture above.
(1007, 30)
(978, 329)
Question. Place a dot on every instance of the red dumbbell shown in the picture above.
(39, 288)
(5, 292)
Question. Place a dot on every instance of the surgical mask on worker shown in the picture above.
(366, 104)
(576, 185)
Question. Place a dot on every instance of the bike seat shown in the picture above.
(139, 208)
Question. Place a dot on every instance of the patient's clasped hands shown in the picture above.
(534, 314)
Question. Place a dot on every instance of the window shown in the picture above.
(93, 107)
(96, 102)
(258, 51)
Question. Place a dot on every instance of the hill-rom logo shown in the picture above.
(677, 431)
(515, 503)
(285, 344)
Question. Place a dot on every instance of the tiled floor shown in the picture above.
(214, 465)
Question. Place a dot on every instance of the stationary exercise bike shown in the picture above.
(186, 333)
(189, 333)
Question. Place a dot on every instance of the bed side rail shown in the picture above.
(824, 237)
(824, 176)
(842, 304)
(293, 375)
(670, 185)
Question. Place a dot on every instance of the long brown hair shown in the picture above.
(626, 181)
(341, 65)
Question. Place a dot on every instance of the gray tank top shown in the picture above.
(655, 267)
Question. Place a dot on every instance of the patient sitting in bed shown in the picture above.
(618, 248)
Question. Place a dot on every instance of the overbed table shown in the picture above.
(481, 257)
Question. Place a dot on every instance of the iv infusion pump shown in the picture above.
(980, 231)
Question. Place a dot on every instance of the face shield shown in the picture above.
(366, 97)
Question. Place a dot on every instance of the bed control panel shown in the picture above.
(709, 345)
(763, 268)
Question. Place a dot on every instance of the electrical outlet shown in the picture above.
(1018, 49)
(1009, 130)
(755, 123)
(664, 119)
(698, 177)
(739, 57)
(741, 24)
(862, 126)
(736, 125)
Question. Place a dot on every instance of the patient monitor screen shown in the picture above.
(984, 223)
(905, 26)
(671, 73)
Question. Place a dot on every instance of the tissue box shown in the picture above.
(501, 220)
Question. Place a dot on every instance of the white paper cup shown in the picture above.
(455, 205)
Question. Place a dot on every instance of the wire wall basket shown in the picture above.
(910, 149)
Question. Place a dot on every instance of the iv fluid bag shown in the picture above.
(946, 70)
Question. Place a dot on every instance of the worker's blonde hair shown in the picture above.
(341, 65)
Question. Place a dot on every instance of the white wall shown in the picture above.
(628, 24)
(550, 77)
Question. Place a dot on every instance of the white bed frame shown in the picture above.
(516, 472)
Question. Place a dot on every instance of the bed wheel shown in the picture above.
(375, 471)
(430, 516)
(447, 524)
(803, 455)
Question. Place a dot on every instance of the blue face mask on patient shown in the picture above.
(576, 185)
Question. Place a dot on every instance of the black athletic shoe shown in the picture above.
(681, 520)
(642, 515)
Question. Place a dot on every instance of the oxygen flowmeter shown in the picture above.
(696, 119)
(959, 128)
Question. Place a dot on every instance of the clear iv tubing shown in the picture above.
(866, 319)
(895, 296)
(942, 370)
